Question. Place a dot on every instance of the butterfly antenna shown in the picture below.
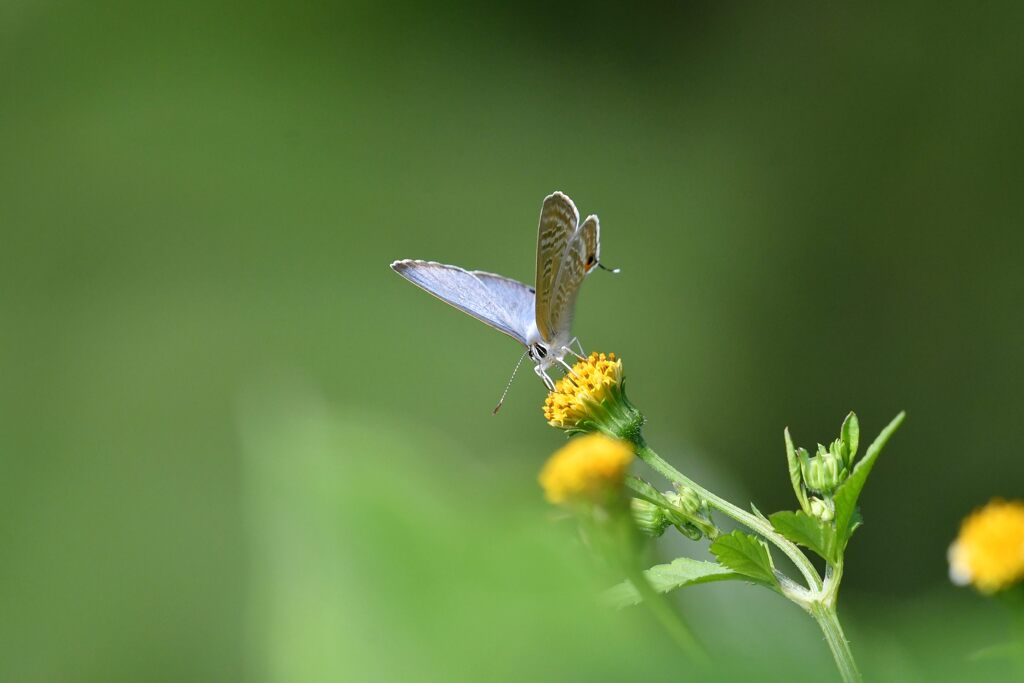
(507, 386)
(610, 270)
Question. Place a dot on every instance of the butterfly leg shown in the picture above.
(548, 382)
(568, 367)
(568, 349)
(579, 346)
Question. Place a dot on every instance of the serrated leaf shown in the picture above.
(807, 531)
(847, 518)
(850, 434)
(794, 471)
(746, 555)
(663, 578)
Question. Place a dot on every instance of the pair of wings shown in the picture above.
(566, 252)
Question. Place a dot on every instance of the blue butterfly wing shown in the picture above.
(505, 304)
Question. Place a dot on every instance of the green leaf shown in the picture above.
(794, 471)
(808, 531)
(850, 434)
(847, 518)
(663, 578)
(855, 521)
(747, 555)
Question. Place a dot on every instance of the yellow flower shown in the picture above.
(588, 468)
(592, 398)
(989, 552)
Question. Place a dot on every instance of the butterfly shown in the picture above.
(540, 317)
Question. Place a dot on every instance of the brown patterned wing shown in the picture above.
(558, 221)
(590, 234)
(580, 257)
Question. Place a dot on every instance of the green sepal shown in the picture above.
(615, 416)
(805, 461)
(663, 578)
(807, 531)
(746, 555)
(850, 436)
(794, 471)
(644, 489)
(847, 517)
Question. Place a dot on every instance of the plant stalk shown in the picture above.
(668, 618)
(828, 620)
(747, 519)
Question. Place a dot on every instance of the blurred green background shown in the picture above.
(235, 446)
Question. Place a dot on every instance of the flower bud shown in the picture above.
(824, 472)
(822, 509)
(692, 515)
(648, 517)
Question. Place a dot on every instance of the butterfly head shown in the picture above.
(546, 355)
(544, 352)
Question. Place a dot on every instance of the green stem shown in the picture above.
(669, 619)
(747, 519)
(1013, 600)
(610, 527)
(830, 589)
(820, 597)
(828, 620)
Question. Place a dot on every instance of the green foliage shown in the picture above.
(850, 438)
(645, 490)
(746, 555)
(807, 531)
(847, 519)
(685, 510)
(663, 578)
(812, 526)
(753, 508)
(794, 471)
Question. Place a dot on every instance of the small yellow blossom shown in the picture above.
(588, 468)
(592, 398)
(989, 552)
(589, 383)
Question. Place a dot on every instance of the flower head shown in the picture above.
(589, 468)
(592, 398)
(989, 552)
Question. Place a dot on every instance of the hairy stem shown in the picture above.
(828, 620)
(819, 599)
(747, 519)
